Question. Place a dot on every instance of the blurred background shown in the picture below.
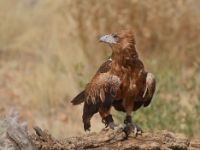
(49, 51)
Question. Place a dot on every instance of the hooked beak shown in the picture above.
(107, 39)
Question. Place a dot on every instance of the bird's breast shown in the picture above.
(130, 84)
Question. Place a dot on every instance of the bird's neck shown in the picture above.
(126, 55)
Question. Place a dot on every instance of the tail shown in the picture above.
(78, 99)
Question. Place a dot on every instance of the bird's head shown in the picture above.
(120, 40)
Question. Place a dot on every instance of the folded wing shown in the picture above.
(99, 93)
(101, 87)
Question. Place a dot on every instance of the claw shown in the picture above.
(135, 132)
(111, 125)
(105, 129)
(130, 127)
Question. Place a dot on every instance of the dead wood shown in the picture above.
(110, 139)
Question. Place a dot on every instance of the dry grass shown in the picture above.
(49, 50)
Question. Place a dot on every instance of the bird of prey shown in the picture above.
(121, 82)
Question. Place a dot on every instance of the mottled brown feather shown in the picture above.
(101, 83)
(80, 98)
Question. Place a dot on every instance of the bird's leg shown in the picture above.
(107, 119)
(109, 122)
(128, 121)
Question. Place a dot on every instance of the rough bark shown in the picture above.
(106, 139)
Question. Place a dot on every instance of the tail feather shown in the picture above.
(78, 99)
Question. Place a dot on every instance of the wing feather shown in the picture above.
(102, 95)
(151, 87)
(105, 67)
(145, 96)
(78, 99)
(101, 85)
(99, 93)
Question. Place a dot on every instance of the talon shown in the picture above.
(130, 127)
(111, 125)
(135, 132)
(105, 129)
(109, 122)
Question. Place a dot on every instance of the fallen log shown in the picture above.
(20, 139)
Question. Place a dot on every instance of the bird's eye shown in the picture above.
(115, 36)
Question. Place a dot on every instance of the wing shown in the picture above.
(105, 67)
(99, 93)
(150, 89)
(79, 98)
(101, 86)
(146, 94)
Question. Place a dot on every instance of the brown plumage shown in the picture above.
(120, 82)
